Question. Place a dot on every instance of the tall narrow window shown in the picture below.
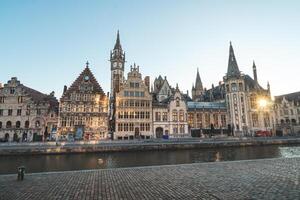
(175, 116)
(177, 102)
(20, 99)
(26, 124)
(158, 116)
(8, 124)
(181, 115)
(165, 116)
(18, 124)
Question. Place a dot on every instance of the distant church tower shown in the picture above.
(197, 90)
(117, 61)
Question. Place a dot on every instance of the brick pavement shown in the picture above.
(255, 179)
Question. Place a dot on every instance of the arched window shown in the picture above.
(8, 124)
(241, 88)
(181, 115)
(18, 124)
(0, 125)
(26, 124)
(37, 123)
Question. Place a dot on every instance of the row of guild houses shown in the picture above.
(135, 108)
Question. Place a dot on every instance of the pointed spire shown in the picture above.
(118, 43)
(198, 84)
(254, 71)
(233, 69)
(87, 63)
(254, 66)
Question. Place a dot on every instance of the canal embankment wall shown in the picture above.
(137, 145)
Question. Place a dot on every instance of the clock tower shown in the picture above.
(117, 61)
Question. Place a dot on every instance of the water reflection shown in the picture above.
(44, 163)
(289, 152)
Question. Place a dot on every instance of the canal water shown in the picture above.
(65, 162)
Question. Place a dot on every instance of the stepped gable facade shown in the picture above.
(26, 114)
(134, 107)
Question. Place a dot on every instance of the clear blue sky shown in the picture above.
(46, 43)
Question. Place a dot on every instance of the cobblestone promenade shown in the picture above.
(256, 179)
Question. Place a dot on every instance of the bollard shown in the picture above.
(21, 173)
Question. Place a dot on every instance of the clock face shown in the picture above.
(120, 64)
(86, 78)
(115, 64)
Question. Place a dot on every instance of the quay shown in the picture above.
(249, 179)
(139, 145)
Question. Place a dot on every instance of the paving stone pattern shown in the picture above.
(255, 179)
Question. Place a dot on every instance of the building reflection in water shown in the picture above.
(65, 162)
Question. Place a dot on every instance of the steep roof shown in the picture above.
(158, 84)
(232, 69)
(118, 43)
(81, 80)
(295, 96)
(216, 93)
(36, 96)
(198, 85)
(252, 84)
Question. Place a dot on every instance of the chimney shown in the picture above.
(147, 82)
(52, 94)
